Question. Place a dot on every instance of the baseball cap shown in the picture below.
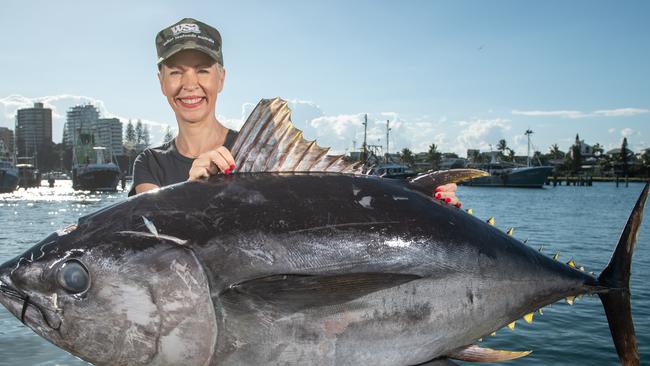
(188, 34)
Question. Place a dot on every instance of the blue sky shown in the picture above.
(461, 74)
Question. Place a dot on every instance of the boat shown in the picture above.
(93, 168)
(8, 172)
(28, 176)
(505, 174)
(392, 170)
(508, 175)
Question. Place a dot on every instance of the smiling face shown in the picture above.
(191, 81)
(129, 299)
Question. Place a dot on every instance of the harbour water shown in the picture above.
(582, 223)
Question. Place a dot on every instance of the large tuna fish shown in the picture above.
(310, 268)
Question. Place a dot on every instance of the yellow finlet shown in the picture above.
(470, 211)
(511, 326)
(510, 231)
(529, 318)
(493, 334)
(491, 220)
(569, 299)
(571, 263)
(556, 256)
(582, 269)
(540, 311)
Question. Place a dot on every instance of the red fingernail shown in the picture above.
(458, 204)
(438, 189)
(438, 195)
(232, 166)
(447, 200)
(226, 172)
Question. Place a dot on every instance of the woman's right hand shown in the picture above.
(212, 162)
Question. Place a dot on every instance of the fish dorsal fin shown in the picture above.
(475, 353)
(427, 182)
(268, 142)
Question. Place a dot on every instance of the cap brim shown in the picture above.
(205, 50)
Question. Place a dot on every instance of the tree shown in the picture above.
(146, 137)
(555, 152)
(511, 154)
(129, 135)
(597, 149)
(407, 156)
(645, 162)
(502, 146)
(169, 135)
(576, 158)
(433, 157)
(624, 156)
(139, 132)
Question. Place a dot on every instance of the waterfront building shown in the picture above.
(80, 120)
(84, 120)
(7, 139)
(108, 133)
(33, 129)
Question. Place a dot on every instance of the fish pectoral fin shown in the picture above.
(438, 362)
(296, 292)
(474, 353)
(427, 182)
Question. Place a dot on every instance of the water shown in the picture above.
(582, 223)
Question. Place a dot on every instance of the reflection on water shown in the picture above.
(582, 223)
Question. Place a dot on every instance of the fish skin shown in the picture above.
(258, 243)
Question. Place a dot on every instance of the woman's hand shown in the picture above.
(212, 162)
(447, 193)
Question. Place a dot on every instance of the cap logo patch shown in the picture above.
(185, 28)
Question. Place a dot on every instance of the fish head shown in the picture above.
(125, 298)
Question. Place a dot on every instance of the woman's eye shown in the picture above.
(204, 71)
(174, 72)
(74, 277)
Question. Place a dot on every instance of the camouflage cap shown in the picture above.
(189, 34)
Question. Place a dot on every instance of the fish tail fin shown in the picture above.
(615, 279)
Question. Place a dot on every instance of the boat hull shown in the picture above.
(96, 178)
(531, 177)
(8, 180)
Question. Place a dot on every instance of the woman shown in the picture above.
(191, 75)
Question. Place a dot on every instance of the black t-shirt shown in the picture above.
(164, 165)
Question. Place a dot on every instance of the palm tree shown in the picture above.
(597, 149)
(511, 154)
(406, 156)
(555, 152)
(502, 146)
(433, 156)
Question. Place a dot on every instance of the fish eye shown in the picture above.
(73, 276)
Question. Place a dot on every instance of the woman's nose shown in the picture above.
(190, 81)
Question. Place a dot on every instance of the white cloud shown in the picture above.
(619, 112)
(611, 130)
(626, 132)
(563, 114)
(480, 134)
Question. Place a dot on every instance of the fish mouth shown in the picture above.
(18, 303)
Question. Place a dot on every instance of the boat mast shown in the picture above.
(387, 135)
(528, 133)
(365, 130)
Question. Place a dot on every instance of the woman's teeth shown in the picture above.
(190, 100)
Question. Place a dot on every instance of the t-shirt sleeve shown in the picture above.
(143, 167)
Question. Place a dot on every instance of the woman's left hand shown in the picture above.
(447, 193)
